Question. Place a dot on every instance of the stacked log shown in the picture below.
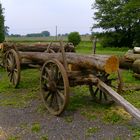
(1, 55)
(131, 60)
(37, 47)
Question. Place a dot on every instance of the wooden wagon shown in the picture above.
(63, 70)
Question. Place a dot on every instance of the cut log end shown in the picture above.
(112, 65)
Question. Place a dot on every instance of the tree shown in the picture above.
(6, 30)
(75, 38)
(2, 36)
(45, 33)
(119, 19)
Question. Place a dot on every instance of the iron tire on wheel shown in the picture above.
(54, 86)
(12, 64)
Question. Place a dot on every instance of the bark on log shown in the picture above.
(136, 66)
(136, 50)
(104, 63)
(125, 63)
(131, 56)
(37, 47)
(137, 76)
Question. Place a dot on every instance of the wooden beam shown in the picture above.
(120, 100)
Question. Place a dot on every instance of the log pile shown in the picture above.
(131, 60)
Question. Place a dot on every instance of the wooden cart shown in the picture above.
(63, 70)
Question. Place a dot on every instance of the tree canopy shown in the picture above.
(75, 38)
(119, 19)
(42, 34)
(2, 29)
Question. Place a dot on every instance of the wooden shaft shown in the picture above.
(63, 56)
(120, 100)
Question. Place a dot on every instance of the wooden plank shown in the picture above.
(120, 100)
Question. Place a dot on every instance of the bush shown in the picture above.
(75, 38)
(2, 36)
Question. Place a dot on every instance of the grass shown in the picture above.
(13, 138)
(87, 48)
(42, 39)
(44, 137)
(91, 131)
(22, 96)
(36, 128)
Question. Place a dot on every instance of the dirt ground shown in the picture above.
(28, 124)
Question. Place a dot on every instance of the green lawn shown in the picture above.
(87, 48)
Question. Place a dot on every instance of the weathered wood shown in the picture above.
(136, 50)
(120, 100)
(37, 47)
(136, 66)
(125, 63)
(131, 56)
(104, 63)
(136, 75)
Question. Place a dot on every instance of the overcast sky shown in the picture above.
(31, 16)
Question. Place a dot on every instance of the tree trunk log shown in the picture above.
(104, 63)
(125, 63)
(136, 50)
(131, 56)
(37, 47)
(137, 76)
(136, 66)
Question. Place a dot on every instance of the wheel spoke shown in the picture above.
(61, 95)
(60, 87)
(47, 96)
(48, 73)
(100, 98)
(58, 101)
(105, 96)
(51, 100)
(96, 91)
(9, 63)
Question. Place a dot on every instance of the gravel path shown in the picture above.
(20, 124)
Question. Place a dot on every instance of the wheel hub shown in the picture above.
(52, 86)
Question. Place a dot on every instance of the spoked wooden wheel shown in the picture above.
(54, 87)
(100, 96)
(12, 65)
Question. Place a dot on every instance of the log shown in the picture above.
(37, 47)
(125, 63)
(120, 100)
(104, 63)
(136, 50)
(136, 66)
(131, 56)
(137, 76)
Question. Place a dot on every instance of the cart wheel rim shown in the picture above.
(54, 87)
(13, 67)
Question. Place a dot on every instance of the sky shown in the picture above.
(33, 16)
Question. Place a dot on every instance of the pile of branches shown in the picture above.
(131, 60)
